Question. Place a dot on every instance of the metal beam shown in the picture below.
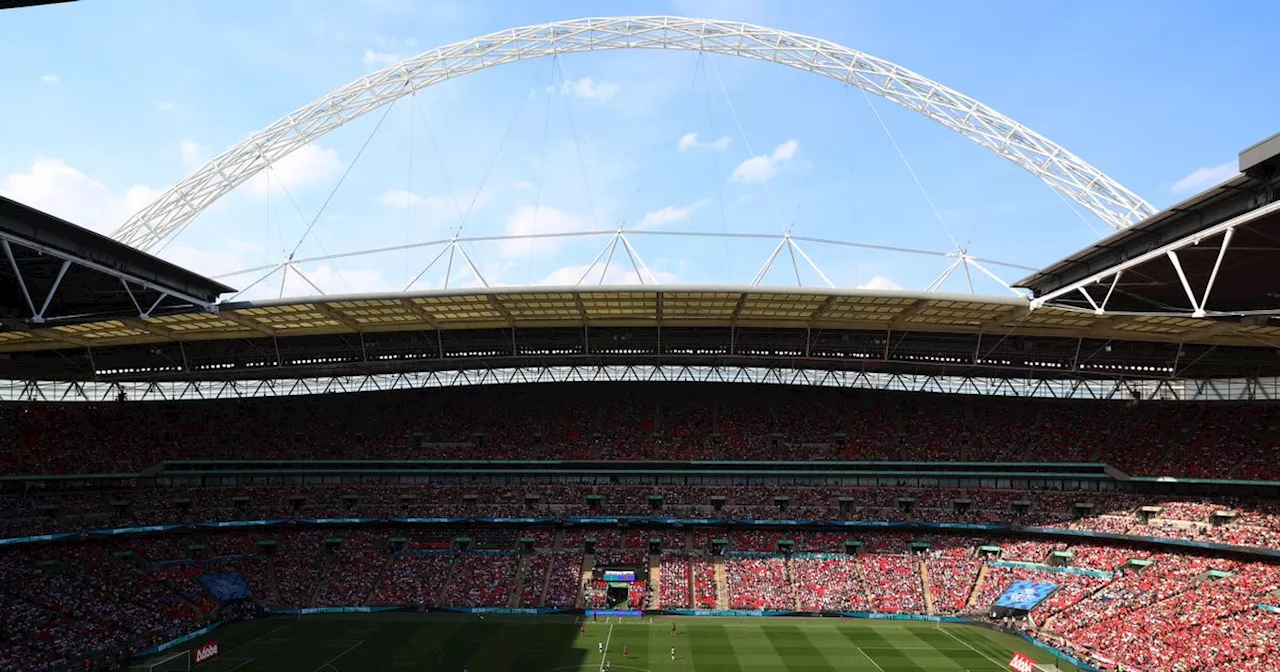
(502, 310)
(418, 312)
(914, 309)
(1221, 228)
(337, 316)
(245, 321)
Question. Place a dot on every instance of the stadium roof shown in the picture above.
(1211, 255)
(444, 329)
(15, 4)
(56, 274)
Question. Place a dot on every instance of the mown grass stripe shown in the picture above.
(795, 649)
(887, 656)
(710, 649)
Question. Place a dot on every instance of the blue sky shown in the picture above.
(109, 103)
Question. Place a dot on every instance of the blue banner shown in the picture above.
(338, 521)
(520, 521)
(241, 523)
(875, 615)
(1025, 595)
(963, 526)
(613, 612)
(592, 521)
(429, 521)
(226, 586)
(137, 530)
(1269, 607)
(725, 612)
(36, 539)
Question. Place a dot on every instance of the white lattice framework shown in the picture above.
(1060, 169)
(1235, 389)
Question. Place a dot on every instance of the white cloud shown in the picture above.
(527, 220)
(670, 214)
(307, 165)
(762, 168)
(399, 198)
(690, 141)
(376, 60)
(569, 276)
(51, 79)
(524, 185)
(880, 282)
(590, 89)
(436, 211)
(1204, 177)
(164, 106)
(190, 153)
(57, 188)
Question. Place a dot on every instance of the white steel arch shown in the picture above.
(1060, 169)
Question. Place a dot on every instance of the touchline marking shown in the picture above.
(335, 658)
(605, 656)
(868, 657)
(998, 663)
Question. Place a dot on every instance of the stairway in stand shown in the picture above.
(382, 577)
(866, 588)
(655, 581)
(977, 587)
(517, 586)
(448, 581)
(326, 568)
(272, 587)
(722, 582)
(928, 589)
(588, 565)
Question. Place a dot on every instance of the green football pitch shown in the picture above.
(449, 643)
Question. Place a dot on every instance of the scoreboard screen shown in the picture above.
(619, 575)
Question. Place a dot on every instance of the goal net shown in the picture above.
(178, 661)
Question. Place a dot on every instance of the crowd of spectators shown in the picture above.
(676, 587)
(951, 581)
(645, 421)
(564, 580)
(894, 582)
(1180, 613)
(1169, 612)
(829, 583)
(759, 583)
(481, 581)
(1248, 523)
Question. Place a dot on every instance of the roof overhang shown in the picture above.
(1212, 255)
(55, 273)
(867, 329)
